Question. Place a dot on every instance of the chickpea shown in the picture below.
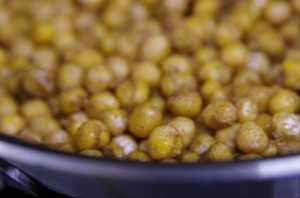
(246, 110)
(226, 33)
(251, 138)
(219, 152)
(158, 102)
(291, 70)
(164, 142)
(271, 42)
(143, 145)
(277, 12)
(296, 5)
(264, 120)
(45, 58)
(208, 89)
(258, 62)
(147, 72)
(119, 67)
(235, 55)
(143, 120)
(186, 129)
(177, 63)
(206, 7)
(205, 54)
(219, 114)
(185, 103)
(92, 134)
(91, 152)
(74, 121)
(8, 105)
(287, 145)
(56, 138)
(116, 121)
(202, 143)
(261, 96)
(227, 135)
(271, 150)
(249, 156)
(87, 58)
(189, 157)
(101, 102)
(285, 123)
(121, 146)
(11, 124)
(30, 136)
(139, 156)
(283, 101)
(42, 32)
(34, 108)
(69, 76)
(72, 100)
(44, 124)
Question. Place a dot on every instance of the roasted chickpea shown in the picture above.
(158, 102)
(11, 124)
(147, 72)
(87, 58)
(202, 143)
(34, 108)
(264, 120)
(214, 70)
(44, 124)
(227, 135)
(276, 12)
(283, 101)
(91, 152)
(189, 157)
(69, 76)
(121, 146)
(288, 144)
(246, 110)
(291, 70)
(285, 123)
(116, 120)
(205, 54)
(56, 138)
(119, 67)
(177, 63)
(219, 152)
(235, 55)
(139, 156)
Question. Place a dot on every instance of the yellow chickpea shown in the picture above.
(147, 72)
(121, 146)
(201, 143)
(11, 124)
(235, 55)
(283, 101)
(227, 135)
(116, 121)
(139, 156)
(285, 123)
(34, 108)
(219, 152)
(246, 110)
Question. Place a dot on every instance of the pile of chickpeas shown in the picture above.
(152, 80)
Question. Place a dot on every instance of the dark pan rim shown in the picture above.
(22, 153)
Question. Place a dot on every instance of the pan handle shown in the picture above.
(13, 177)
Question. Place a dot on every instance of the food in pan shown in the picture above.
(148, 80)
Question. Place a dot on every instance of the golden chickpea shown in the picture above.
(271, 150)
(101, 102)
(121, 146)
(158, 102)
(39, 83)
(44, 124)
(119, 67)
(264, 120)
(291, 72)
(246, 110)
(69, 76)
(98, 78)
(201, 143)
(208, 89)
(91, 152)
(11, 124)
(226, 33)
(155, 48)
(219, 114)
(185, 103)
(74, 121)
(177, 63)
(116, 121)
(143, 145)
(186, 129)
(139, 156)
(147, 72)
(189, 157)
(131, 93)
(271, 42)
(173, 83)
(92, 134)
(45, 58)
(251, 138)
(205, 54)
(285, 123)
(235, 55)
(214, 70)
(143, 120)
(72, 100)
(261, 96)
(4, 57)
(8, 105)
(277, 12)
(206, 7)
(258, 62)
(114, 17)
(87, 57)
(30, 136)
(164, 142)
(283, 101)
(56, 138)
(42, 32)
(287, 145)
(91, 4)
(219, 152)
(246, 77)
(35, 107)
(227, 135)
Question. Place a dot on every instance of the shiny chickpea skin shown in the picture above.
(264, 120)
(92, 134)
(283, 101)
(201, 143)
(56, 138)
(219, 152)
(277, 12)
(205, 54)
(91, 152)
(116, 121)
(121, 146)
(8, 105)
(35, 107)
(139, 156)
(101, 102)
(291, 70)
(177, 63)
(285, 123)
(185, 103)
(131, 93)
(147, 72)
(98, 78)
(143, 120)
(219, 114)
(69, 76)
(11, 124)
(72, 100)
(158, 102)
(235, 55)
(214, 70)
(164, 142)
(189, 157)
(172, 83)
(288, 144)
(246, 110)
(44, 124)
(186, 129)
(227, 135)
(251, 138)
(38, 83)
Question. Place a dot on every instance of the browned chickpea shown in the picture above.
(131, 93)
(98, 78)
(69, 76)
(121, 146)
(72, 100)
(147, 72)
(288, 144)
(101, 102)
(92, 134)
(173, 83)
(185, 103)
(219, 114)
(164, 142)
(251, 138)
(116, 121)
(285, 123)
(202, 143)
(143, 120)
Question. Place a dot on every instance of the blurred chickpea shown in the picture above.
(205, 54)
(119, 67)
(11, 124)
(44, 124)
(277, 12)
(227, 135)
(69, 76)
(285, 123)
(8, 105)
(34, 108)
(72, 100)
(177, 63)
(87, 58)
(283, 101)
(264, 120)
(147, 72)
(139, 156)
(235, 55)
